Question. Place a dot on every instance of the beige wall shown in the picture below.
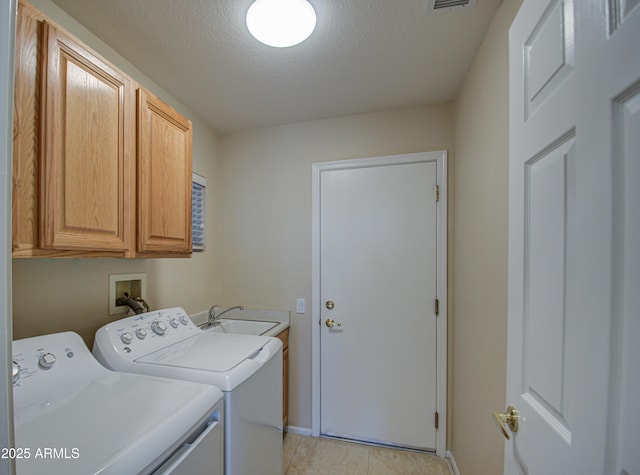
(265, 210)
(480, 238)
(51, 295)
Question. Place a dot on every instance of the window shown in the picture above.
(198, 186)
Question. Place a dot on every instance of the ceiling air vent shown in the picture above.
(435, 7)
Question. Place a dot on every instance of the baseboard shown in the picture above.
(299, 430)
(452, 463)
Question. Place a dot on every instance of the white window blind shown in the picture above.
(198, 187)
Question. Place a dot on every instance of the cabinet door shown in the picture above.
(88, 165)
(26, 131)
(284, 337)
(164, 178)
(285, 388)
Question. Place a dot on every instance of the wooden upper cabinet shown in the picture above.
(97, 171)
(164, 178)
(86, 174)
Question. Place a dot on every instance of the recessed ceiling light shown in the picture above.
(281, 23)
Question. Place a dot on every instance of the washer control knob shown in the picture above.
(15, 372)
(126, 338)
(141, 333)
(47, 360)
(174, 322)
(159, 327)
(184, 320)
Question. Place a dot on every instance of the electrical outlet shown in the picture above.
(300, 304)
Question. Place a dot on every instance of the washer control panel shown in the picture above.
(139, 335)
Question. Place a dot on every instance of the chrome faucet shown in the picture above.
(213, 317)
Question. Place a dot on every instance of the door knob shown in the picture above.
(329, 305)
(330, 322)
(507, 419)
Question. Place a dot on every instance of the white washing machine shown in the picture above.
(247, 368)
(72, 416)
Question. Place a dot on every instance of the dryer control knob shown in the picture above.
(159, 328)
(15, 372)
(47, 360)
(126, 338)
(174, 322)
(184, 320)
(141, 333)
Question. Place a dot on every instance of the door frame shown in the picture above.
(440, 158)
(7, 49)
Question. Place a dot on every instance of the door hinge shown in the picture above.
(437, 420)
(437, 307)
(437, 193)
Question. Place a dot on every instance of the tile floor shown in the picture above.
(318, 456)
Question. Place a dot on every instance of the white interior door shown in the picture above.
(378, 241)
(574, 229)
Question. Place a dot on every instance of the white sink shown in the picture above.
(245, 327)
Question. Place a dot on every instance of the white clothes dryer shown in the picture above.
(247, 368)
(72, 416)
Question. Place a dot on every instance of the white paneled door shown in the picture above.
(574, 234)
(378, 288)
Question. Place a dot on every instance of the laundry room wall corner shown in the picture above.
(480, 246)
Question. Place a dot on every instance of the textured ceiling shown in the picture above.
(365, 55)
